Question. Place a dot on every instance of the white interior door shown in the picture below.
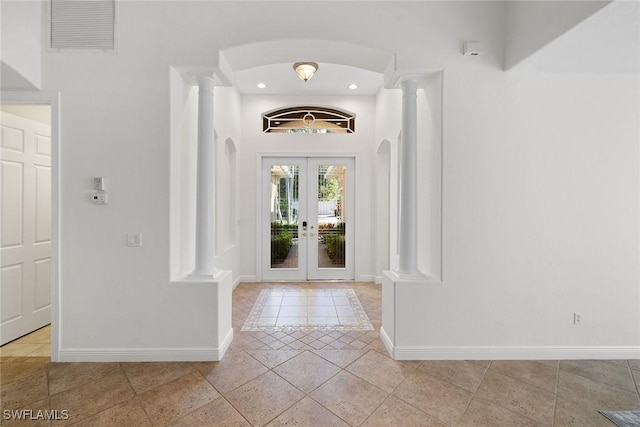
(25, 209)
(307, 218)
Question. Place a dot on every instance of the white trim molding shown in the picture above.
(247, 278)
(197, 354)
(507, 352)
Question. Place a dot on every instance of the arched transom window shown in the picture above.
(308, 119)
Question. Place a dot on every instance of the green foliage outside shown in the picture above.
(277, 228)
(335, 244)
(327, 189)
(334, 240)
(280, 245)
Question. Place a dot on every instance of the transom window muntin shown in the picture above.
(308, 119)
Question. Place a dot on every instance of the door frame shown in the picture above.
(52, 99)
(259, 194)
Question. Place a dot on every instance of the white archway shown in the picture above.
(252, 55)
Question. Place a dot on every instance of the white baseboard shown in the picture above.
(247, 278)
(507, 353)
(235, 283)
(224, 345)
(146, 354)
(386, 341)
(378, 280)
(366, 278)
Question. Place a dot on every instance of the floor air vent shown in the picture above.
(82, 25)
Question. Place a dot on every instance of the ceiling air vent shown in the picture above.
(82, 25)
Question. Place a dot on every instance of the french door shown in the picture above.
(307, 218)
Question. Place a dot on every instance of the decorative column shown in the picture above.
(205, 186)
(408, 233)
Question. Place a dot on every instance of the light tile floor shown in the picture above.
(36, 344)
(317, 379)
(290, 309)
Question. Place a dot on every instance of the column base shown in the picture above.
(401, 294)
(212, 301)
(204, 276)
(411, 277)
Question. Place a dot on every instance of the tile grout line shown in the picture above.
(389, 395)
(633, 379)
(473, 394)
(304, 392)
(522, 382)
(601, 382)
(222, 396)
(137, 395)
(555, 399)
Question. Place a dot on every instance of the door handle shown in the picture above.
(304, 234)
(311, 234)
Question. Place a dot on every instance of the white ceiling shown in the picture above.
(330, 79)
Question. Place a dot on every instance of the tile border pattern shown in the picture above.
(251, 324)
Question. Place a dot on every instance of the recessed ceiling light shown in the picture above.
(262, 85)
(353, 86)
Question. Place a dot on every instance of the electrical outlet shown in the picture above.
(577, 319)
(134, 239)
(99, 198)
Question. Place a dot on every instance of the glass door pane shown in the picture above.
(331, 215)
(284, 216)
(330, 210)
(307, 218)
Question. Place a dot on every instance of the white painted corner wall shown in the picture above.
(21, 44)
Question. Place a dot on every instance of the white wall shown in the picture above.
(540, 179)
(361, 144)
(388, 124)
(228, 126)
(430, 178)
(531, 25)
(184, 140)
(606, 41)
(541, 217)
(21, 44)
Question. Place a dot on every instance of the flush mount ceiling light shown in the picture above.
(305, 70)
(261, 85)
(353, 86)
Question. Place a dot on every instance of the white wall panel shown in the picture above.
(43, 204)
(42, 283)
(12, 288)
(12, 203)
(43, 145)
(12, 139)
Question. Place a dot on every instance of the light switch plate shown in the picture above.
(99, 183)
(134, 239)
